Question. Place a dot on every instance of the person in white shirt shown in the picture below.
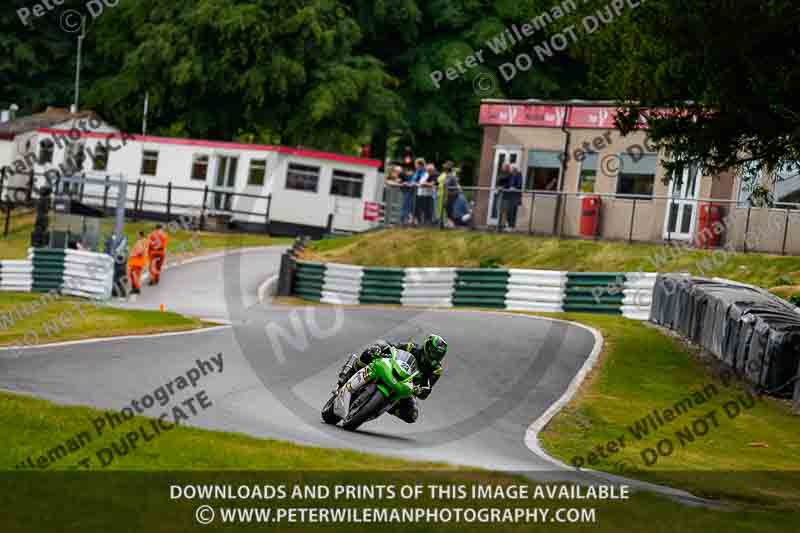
(424, 204)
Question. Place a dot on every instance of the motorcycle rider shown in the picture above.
(429, 356)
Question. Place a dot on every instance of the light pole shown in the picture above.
(81, 37)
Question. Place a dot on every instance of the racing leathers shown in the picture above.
(429, 373)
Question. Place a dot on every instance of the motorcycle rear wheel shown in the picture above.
(364, 407)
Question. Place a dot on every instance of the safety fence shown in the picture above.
(655, 218)
(629, 295)
(72, 272)
(754, 333)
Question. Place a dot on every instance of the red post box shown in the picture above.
(708, 232)
(590, 216)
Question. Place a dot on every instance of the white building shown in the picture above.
(20, 139)
(296, 189)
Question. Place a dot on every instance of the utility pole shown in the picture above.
(81, 37)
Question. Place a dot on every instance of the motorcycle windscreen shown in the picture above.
(406, 361)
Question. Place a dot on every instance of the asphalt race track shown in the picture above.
(280, 364)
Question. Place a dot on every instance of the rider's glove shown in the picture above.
(422, 392)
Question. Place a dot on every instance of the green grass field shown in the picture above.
(134, 502)
(745, 454)
(434, 248)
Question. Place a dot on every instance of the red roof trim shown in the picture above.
(300, 152)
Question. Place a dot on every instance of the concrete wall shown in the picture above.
(765, 231)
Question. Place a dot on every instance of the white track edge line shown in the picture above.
(113, 339)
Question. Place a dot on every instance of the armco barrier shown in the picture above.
(514, 289)
(16, 276)
(72, 272)
(753, 332)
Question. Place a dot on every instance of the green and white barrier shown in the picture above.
(629, 295)
(638, 295)
(536, 290)
(16, 276)
(428, 287)
(72, 272)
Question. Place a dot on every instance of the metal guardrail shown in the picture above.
(135, 206)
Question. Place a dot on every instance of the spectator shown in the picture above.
(409, 194)
(453, 188)
(424, 207)
(498, 204)
(440, 191)
(395, 176)
(433, 177)
(512, 197)
(462, 212)
(408, 163)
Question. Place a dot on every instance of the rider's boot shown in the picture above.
(348, 370)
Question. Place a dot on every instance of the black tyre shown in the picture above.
(364, 407)
(328, 416)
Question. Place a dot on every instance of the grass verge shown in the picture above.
(31, 319)
(724, 443)
(469, 249)
(133, 492)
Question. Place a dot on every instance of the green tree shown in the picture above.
(223, 67)
(37, 59)
(414, 39)
(723, 75)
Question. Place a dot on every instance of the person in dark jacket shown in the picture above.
(512, 197)
(429, 356)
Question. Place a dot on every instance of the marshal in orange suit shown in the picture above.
(136, 263)
(157, 249)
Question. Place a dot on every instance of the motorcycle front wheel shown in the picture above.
(328, 416)
(363, 407)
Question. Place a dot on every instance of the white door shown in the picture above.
(502, 155)
(224, 179)
(681, 217)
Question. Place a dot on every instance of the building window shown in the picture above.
(587, 175)
(544, 168)
(226, 171)
(302, 178)
(258, 172)
(637, 176)
(200, 167)
(100, 160)
(149, 163)
(46, 148)
(75, 156)
(349, 184)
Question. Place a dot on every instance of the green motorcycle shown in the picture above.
(372, 391)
